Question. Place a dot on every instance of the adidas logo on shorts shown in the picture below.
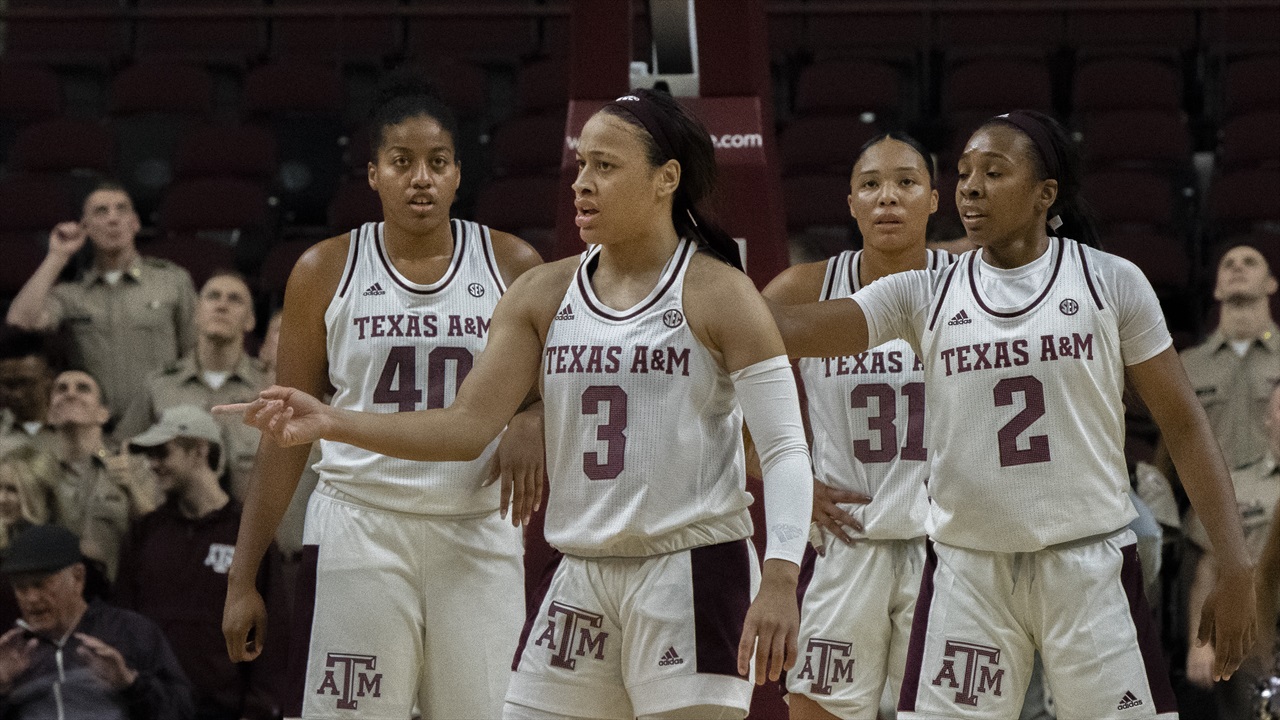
(1128, 701)
(961, 318)
(670, 658)
(566, 313)
(375, 289)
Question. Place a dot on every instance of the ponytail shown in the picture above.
(1057, 157)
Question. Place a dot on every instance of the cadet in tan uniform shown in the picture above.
(127, 315)
(1235, 368)
(100, 493)
(218, 371)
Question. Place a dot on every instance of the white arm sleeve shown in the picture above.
(771, 406)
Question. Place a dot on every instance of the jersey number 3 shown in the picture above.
(398, 384)
(611, 431)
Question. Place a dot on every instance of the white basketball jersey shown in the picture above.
(1028, 431)
(395, 346)
(867, 415)
(644, 441)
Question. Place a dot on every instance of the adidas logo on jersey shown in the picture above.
(670, 658)
(961, 318)
(566, 313)
(375, 289)
(1128, 701)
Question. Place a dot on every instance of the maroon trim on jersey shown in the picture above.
(304, 608)
(609, 314)
(459, 248)
(855, 272)
(351, 265)
(829, 279)
(490, 260)
(943, 295)
(1088, 276)
(973, 284)
(919, 631)
(1148, 634)
(721, 576)
(533, 605)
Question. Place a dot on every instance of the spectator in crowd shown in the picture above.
(100, 492)
(78, 659)
(25, 379)
(217, 371)
(28, 478)
(1235, 368)
(127, 316)
(174, 567)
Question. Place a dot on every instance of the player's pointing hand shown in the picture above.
(288, 416)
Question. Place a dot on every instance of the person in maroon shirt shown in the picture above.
(174, 567)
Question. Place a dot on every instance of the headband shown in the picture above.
(643, 109)
(1052, 159)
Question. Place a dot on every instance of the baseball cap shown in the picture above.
(41, 548)
(180, 421)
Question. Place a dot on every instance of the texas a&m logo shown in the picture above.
(569, 635)
(350, 677)
(826, 662)
(980, 671)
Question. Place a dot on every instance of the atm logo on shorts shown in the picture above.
(350, 677)
(979, 671)
(569, 635)
(826, 662)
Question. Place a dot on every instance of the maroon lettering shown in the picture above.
(823, 664)
(377, 330)
(678, 360)
(1047, 350)
(612, 431)
(978, 677)
(1037, 450)
(360, 322)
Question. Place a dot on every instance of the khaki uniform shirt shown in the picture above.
(1235, 391)
(121, 333)
(182, 383)
(1257, 492)
(99, 500)
(13, 435)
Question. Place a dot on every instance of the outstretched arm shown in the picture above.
(1229, 619)
(488, 398)
(831, 328)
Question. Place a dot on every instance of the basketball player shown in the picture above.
(866, 415)
(1027, 343)
(645, 348)
(413, 570)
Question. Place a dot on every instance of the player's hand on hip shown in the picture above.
(520, 463)
(1229, 621)
(244, 611)
(832, 518)
(772, 623)
(288, 416)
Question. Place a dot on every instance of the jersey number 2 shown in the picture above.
(1037, 450)
(398, 384)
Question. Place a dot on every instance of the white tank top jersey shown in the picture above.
(645, 456)
(394, 346)
(1027, 422)
(867, 415)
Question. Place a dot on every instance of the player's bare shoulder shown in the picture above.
(317, 274)
(798, 284)
(720, 300)
(514, 256)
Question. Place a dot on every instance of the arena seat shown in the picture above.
(354, 204)
(850, 86)
(98, 41)
(241, 151)
(541, 86)
(28, 93)
(219, 206)
(1250, 84)
(1163, 31)
(1155, 139)
(826, 143)
(363, 39)
(216, 40)
(1160, 256)
(1250, 140)
(63, 145)
(1244, 200)
(273, 275)
(882, 35)
(530, 144)
(30, 206)
(1126, 84)
(523, 205)
(1024, 84)
(1119, 196)
(199, 256)
(497, 37)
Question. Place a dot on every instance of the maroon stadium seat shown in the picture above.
(1241, 29)
(525, 206)
(1162, 31)
(28, 93)
(335, 38)
(161, 87)
(463, 85)
(1242, 200)
(233, 40)
(816, 200)
(999, 84)
(1131, 196)
(1155, 139)
(1250, 84)
(242, 151)
(965, 31)
(823, 142)
(529, 144)
(199, 256)
(848, 86)
(354, 204)
(1126, 84)
(1160, 256)
(214, 204)
(875, 34)
(62, 145)
(21, 258)
(293, 86)
(31, 205)
(1251, 140)
(279, 262)
(504, 36)
(542, 86)
(96, 41)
